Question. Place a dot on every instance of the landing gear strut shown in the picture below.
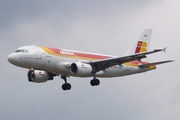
(94, 81)
(65, 86)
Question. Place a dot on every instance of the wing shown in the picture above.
(155, 63)
(99, 65)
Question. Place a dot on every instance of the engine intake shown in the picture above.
(81, 69)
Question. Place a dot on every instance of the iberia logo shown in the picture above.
(141, 47)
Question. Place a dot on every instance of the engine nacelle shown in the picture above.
(81, 69)
(39, 76)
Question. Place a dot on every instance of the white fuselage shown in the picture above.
(39, 59)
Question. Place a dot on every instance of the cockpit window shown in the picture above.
(26, 51)
(22, 51)
(18, 51)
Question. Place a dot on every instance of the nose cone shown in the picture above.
(14, 59)
(11, 58)
(17, 60)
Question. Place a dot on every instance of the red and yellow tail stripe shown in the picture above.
(141, 47)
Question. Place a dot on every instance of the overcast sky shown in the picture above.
(100, 26)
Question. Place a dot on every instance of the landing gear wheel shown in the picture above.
(92, 82)
(66, 86)
(95, 82)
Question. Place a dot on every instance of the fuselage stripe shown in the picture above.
(85, 56)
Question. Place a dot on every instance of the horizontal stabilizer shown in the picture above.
(155, 63)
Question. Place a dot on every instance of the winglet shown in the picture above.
(158, 50)
(164, 50)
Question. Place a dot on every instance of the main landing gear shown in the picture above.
(94, 81)
(65, 86)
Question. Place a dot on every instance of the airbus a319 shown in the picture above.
(44, 63)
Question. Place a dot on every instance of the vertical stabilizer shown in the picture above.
(142, 44)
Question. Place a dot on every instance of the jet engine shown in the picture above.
(81, 69)
(39, 76)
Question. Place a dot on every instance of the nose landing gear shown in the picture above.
(94, 81)
(65, 86)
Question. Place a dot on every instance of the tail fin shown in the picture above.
(142, 44)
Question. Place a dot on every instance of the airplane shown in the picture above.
(44, 63)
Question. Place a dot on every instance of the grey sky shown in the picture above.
(109, 27)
